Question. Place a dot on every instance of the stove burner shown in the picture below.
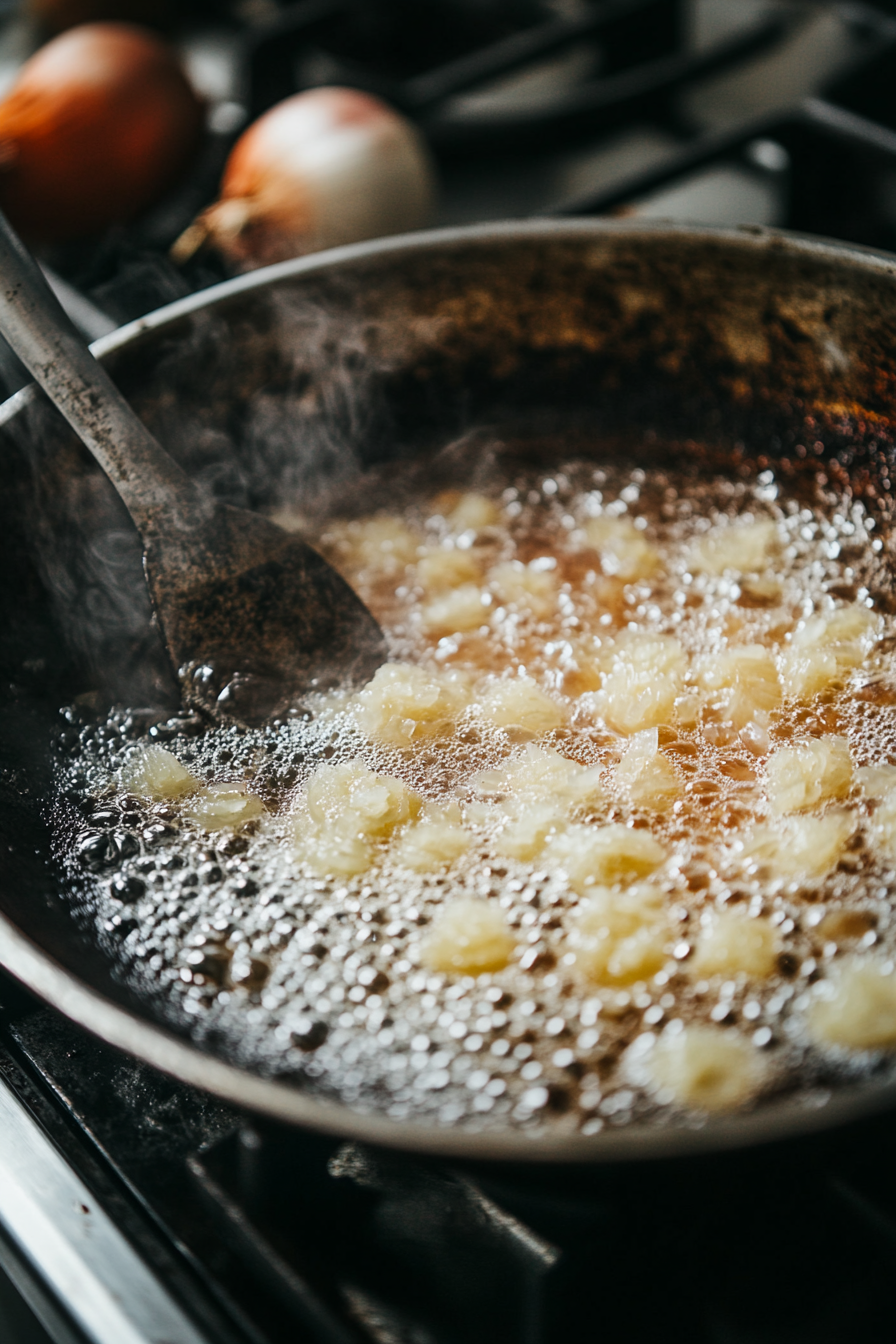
(238, 1233)
(280, 1235)
(420, 57)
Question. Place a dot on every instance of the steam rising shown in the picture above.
(273, 415)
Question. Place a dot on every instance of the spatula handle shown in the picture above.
(149, 481)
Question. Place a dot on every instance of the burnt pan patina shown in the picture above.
(713, 350)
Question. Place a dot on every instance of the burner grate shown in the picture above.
(417, 57)
(777, 1246)
(296, 1236)
(632, 57)
(390, 1244)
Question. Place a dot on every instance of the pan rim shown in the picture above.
(124, 1029)
(153, 1044)
(750, 237)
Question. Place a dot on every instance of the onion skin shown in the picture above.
(324, 167)
(100, 122)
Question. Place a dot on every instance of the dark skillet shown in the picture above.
(741, 348)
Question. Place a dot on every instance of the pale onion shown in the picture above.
(99, 123)
(324, 167)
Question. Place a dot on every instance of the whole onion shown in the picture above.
(100, 122)
(324, 167)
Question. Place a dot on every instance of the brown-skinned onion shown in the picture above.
(99, 123)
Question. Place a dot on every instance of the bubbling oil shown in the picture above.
(636, 732)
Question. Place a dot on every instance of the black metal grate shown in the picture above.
(419, 56)
(780, 1245)
(833, 157)
(276, 1236)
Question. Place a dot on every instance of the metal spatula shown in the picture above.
(250, 615)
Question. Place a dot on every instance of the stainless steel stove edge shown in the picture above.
(81, 1258)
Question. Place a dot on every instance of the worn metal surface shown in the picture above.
(744, 348)
(57, 1224)
(248, 614)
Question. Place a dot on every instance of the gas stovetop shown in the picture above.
(751, 112)
(136, 1211)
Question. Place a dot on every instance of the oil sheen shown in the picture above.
(611, 838)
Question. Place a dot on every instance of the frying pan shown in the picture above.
(744, 348)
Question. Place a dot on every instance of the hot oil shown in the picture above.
(327, 977)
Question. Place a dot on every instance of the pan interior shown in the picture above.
(293, 392)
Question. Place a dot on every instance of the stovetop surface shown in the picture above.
(770, 112)
(136, 1211)
(255, 1233)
